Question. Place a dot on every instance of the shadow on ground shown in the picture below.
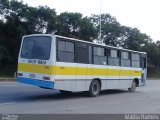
(51, 95)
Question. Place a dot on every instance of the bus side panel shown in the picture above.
(100, 72)
(125, 77)
(81, 79)
(113, 77)
(65, 76)
(136, 73)
(89, 76)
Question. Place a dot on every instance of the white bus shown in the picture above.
(67, 64)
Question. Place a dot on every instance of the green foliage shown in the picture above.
(111, 29)
(116, 35)
(74, 25)
(18, 19)
(153, 53)
(153, 72)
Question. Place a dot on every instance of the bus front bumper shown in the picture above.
(35, 82)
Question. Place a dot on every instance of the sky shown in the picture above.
(141, 14)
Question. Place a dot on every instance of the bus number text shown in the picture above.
(37, 62)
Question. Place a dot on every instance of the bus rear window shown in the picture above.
(36, 47)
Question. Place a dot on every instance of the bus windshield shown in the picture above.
(36, 47)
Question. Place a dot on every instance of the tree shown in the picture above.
(133, 39)
(74, 25)
(18, 19)
(111, 29)
(45, 19)
(153, 54)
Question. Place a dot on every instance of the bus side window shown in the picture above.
(135, 60)
(65, 51)
(81, 54)
(125, 59)
(99, 56)
(113, 58)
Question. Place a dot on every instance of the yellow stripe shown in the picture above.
(66, 70)
(126, 72)
(136, 73)
(34, 68)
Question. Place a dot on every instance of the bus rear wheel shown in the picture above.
(94, 88)
(133, 87)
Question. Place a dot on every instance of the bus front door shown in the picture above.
(144, 71)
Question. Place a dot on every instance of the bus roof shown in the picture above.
(74, 39)
(119, 48)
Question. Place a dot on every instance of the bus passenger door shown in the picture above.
(144, 70)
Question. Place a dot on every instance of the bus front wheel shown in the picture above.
(133, 86)
(94, 88)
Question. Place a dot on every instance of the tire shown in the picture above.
(94, 88)
(133, 87)
(65, 92)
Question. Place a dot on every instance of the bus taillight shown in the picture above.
(19, 74)
(46, 78)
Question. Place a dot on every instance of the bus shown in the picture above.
(69, 65)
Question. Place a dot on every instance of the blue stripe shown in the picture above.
(40, 83)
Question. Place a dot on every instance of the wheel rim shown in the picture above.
(134, 85)
(95, 88)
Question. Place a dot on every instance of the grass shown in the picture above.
(3, 79)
